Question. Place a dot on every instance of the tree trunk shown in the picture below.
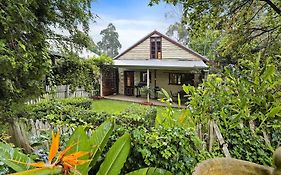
(18, 136)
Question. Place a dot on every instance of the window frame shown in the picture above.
(157, 56)
(179, 76)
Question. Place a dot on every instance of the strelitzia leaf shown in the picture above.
(99, 139)
(116, 156)
(81, 141)
(8, 153)
(150, 171)
(41, 171)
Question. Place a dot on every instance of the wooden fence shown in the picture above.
(213, 134)
(64, 91)
(21, 131)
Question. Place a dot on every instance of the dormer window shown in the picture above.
(155, 48)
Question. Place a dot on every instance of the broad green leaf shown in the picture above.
(150, 171)
(8, 153)
(116, 156)
(99, 139)
(41, 171)
(80, 138)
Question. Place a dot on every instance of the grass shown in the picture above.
(111, 106)
(117, 107)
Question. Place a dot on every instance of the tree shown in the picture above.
(179, 31)
(246, 27)
(109, 44)
(206, 44)
(27, 27)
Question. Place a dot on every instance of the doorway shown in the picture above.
(129, 83)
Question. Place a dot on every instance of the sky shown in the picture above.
(133, 19)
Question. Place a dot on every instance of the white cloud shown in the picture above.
(130, 31)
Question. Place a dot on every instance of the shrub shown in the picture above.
(66, 111)
(247, 93)
(78, 102)
(176, 149)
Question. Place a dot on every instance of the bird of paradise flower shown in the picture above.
(64, 163)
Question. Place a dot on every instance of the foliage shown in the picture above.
(250, 92)
(26, 29)
(207, 45)
(180, 32)
(100, 138)
(67, 112)
(8, 153)
(116, 156)
(245, 27)
(146, 90)
(77, 111)
(102, 61)
(168, 151)
(80, 145)
(150, 171)
(247, 145)
(75, 72)
(109, 45)
(176, 149)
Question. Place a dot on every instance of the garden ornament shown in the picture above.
(230, 166)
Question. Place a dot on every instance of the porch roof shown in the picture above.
(161, 64)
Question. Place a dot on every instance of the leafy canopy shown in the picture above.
(27, 29)
(246, 27)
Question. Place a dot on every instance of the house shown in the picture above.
(156, 61)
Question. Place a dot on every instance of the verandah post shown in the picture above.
(147, 83)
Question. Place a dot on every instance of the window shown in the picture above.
(181, 78)
(143, 77)
(155, 48)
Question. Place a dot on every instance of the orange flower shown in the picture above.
(67, 162)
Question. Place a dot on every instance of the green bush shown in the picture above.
(250, 92)
(176, 149)
(78, 102)
(65, 111)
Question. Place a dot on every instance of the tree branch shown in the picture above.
(263, 32)
(273, 6)
(254, 14)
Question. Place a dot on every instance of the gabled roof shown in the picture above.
(167, 38)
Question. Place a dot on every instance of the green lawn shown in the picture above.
(111, 106)
(117, 107)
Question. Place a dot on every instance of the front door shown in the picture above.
(129, 83)
(109, 81)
